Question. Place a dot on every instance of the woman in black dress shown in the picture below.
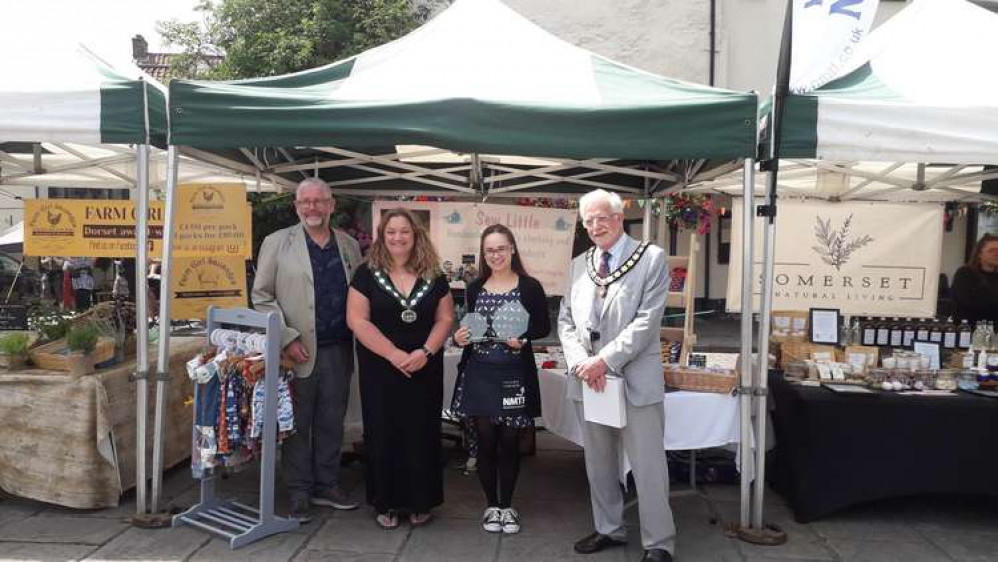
(400, 309)
(497, 384)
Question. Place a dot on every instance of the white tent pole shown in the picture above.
(746, 458)
(163, 359)
(141, 326)
(761, 383)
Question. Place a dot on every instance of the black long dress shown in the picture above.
(401, 415)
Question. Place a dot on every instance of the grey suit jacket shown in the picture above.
(283, 284)
(629, 325)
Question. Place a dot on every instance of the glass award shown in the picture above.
(477, 326)
(510, 321)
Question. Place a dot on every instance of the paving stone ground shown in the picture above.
(553, 501)
(552, 498)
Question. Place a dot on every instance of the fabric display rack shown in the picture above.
(239, 523)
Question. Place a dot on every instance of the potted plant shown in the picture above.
(14, 350)
(81, 342)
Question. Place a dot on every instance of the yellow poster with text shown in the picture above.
(211, 220)
(90, 228)
(197, 283)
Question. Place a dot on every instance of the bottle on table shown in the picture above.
(869, 332)
(935, 332)
(896, 333)
(965, 334)
(949, 334)
(845, 335)
(856, 332)
(908, 333)
(922, 331)
(883, 332)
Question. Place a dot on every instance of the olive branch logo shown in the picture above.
(835, 246)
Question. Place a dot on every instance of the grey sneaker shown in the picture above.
(510, 521)
(492, 520)
(300, 510)
(334, 498)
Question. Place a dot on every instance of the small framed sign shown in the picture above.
(824, 324)
(928, 349)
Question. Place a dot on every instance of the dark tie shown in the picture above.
(604, 265)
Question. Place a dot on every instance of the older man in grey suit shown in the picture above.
(303, 273)
(609, 324)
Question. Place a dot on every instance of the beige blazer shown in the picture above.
(283, 284)
(629, 323)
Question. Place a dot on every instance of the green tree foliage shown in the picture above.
(269, 37)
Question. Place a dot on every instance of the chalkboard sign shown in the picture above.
(13, 317)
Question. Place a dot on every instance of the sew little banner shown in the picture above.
(212, 219)
(544, 236)
(864, 258)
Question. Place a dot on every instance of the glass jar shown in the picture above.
(946, 379)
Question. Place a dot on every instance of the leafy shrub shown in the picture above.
(15, 344)
(82, 338)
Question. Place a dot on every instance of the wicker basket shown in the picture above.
(698, 380)
(53, 355)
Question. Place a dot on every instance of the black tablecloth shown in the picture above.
(835, 450)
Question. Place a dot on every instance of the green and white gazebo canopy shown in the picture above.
(59, 92)
(478, 78)
(922, 91)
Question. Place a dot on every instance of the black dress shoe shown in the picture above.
(595, 543)
(656, 555)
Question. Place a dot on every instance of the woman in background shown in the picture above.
(975, 285)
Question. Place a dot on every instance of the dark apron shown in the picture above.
(493, 389)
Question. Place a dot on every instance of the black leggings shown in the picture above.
(498, 460)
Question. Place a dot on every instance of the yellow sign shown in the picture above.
(197, 283)
(90, 228)
(212, 220)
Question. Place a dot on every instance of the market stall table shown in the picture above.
(71, 440)
(693, 420)
(836, 450)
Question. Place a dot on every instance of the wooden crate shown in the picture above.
(53, 355)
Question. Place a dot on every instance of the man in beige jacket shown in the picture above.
(303, 273)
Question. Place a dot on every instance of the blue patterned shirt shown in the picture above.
(329, 281)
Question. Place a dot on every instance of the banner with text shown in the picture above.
(543, 236)
(197, 283)
(826, 38)
(212, 220)
(863, 258)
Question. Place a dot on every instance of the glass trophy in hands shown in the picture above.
(510, 321)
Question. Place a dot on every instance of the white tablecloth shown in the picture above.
(693, 420)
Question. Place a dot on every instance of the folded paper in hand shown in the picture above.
(607, 407)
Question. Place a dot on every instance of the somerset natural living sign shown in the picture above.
(863, 258)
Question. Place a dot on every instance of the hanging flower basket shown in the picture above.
(685, 211)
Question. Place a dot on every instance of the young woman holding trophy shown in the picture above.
(497, 386)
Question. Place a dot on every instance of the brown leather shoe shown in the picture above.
(595, 543)
(656, 555)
